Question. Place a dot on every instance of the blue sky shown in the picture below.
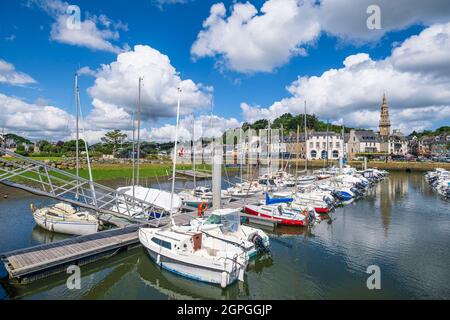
(27, 43)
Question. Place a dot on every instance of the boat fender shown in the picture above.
(158, 259)
(241, 275)
(202, 207)
(224, 279)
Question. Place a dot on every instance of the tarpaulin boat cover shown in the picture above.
(277, 200)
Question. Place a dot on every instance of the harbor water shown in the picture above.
(402, 226)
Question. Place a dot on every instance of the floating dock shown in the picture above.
(40, 261)
(197, 174)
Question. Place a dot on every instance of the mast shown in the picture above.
(77, 137)
(269, 148)
(175, 156)
(280, 150)
(91, 179)
(298, 150)
(193, 150)
(76, 126)
(306, 156)
(241, 152)
(326, 159)
(341, 160)
(133, 150)
(139, 131)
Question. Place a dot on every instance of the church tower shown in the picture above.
(385, 123)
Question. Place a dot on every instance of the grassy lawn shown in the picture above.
(120, 171)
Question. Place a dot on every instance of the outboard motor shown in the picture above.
(357, 192)
(261, 248)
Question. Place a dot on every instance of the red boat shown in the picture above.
(286, 216)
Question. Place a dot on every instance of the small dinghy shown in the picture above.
(63, 218)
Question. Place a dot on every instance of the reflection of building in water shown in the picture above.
(390, 190)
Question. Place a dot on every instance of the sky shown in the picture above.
(234, 61)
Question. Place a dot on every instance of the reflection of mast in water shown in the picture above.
(385, 204)
(392, 189)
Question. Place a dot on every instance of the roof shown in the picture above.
(367, 136)
(323, 134)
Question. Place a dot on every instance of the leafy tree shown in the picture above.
(114, 139)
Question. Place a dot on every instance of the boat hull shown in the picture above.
(285, 222)
(66, 227)
(191, 271)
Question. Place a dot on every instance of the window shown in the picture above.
(338, 144)
(335, 154)
(162, 243)
(317, 145)
(324, 145)
(311, 145)
(313, 153)
(331, 144)
(324, 155)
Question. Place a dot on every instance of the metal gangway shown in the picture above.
(42, 179)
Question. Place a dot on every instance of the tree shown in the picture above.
(114, 139)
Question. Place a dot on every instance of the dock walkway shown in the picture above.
(191, 173)
(42, 260)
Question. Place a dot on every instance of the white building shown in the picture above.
(323, 145)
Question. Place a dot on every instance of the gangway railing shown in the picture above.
(40, 178)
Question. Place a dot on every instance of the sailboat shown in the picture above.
(191, 254)
(159, 198)
(62, 217)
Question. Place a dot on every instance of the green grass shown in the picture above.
(121, 171)
(47, 158)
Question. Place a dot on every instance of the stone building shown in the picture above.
(324, 145)
(362, 142)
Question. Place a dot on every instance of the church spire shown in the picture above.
(385, 123)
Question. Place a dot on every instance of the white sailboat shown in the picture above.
(191, 254)
(62, 217)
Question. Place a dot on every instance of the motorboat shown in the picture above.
(64, 218)
(225, 224)
(305, 180)
(284, 215)
(194, 255)
(195, 197)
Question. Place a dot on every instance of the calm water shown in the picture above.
(402, 226)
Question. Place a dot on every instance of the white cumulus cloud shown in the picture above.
(247, 40)
(116, 86)
(34, 120)
(415, 77)
(94, 32)
(9, 75)
(250, 41)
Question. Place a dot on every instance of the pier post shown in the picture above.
(217, 173)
